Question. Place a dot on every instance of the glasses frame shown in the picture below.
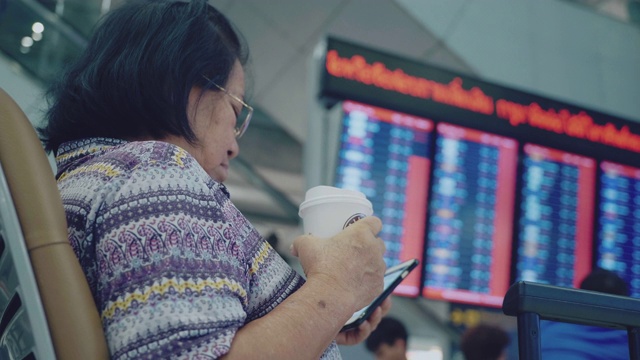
(239, 130)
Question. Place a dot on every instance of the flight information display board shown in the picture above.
(619, 222)
(498, 184)
(555, 227)
(471, 216)
(385, 155)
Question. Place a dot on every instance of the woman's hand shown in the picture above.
(350, 264)
(357, 335)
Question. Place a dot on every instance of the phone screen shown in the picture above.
(392, 278)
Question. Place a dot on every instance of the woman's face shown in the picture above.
(212, 116)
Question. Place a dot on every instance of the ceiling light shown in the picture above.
(37, 27)
(27, 41)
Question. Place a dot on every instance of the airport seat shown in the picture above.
(46, 307)
(530, 302)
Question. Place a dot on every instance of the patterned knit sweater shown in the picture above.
(175, 269)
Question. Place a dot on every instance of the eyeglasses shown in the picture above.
(244, 117)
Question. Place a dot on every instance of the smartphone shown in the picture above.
(392, 278)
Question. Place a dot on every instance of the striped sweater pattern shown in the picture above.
(174, 268)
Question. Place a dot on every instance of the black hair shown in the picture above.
(605, 281)
(483, 342)
(388, 331)
(133, 79)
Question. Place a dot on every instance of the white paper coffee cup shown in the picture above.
(327, 210)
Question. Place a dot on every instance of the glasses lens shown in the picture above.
(243, 121)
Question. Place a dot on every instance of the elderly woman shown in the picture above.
(143, 126)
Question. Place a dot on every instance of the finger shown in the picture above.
(375, 318)
(301, 244)
(297, 244)
(293, 251)
(341, 338)
(352, 337)
(364, 330)
(374, 223)
(382, 246)
(386, 306)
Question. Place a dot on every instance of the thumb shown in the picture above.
(297, 244)
(293, 250)
(302, 244)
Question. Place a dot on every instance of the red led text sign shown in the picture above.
(356, 67)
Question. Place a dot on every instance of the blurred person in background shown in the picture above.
(484, 342)
(389, 340)
(582, 342)
(144, 125)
